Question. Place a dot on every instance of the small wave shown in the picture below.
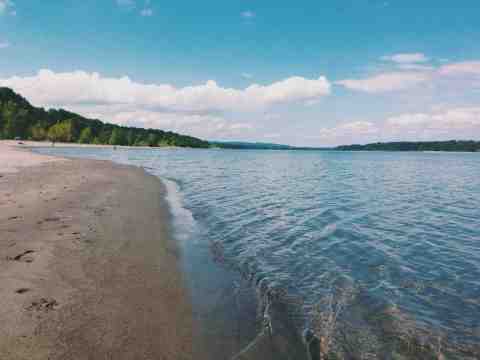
(183, 221)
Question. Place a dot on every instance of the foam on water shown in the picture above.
(183, 221)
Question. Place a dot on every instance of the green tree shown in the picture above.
(152, 140)
(104, 136)
(62, 131)
(19, 118)
(130, 138)
(117, 137)
(163, 143)
(15, 121)
(38, 133)
(85, 136)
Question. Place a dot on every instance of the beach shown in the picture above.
(88, 269)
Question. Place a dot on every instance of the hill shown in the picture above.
(452, 145)
(18, 118)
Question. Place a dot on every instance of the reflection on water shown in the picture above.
(383, 249)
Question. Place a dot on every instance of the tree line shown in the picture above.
(19, 119)
(452, 145)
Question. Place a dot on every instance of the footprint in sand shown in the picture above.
(23, 257)
(51, 219)
(44, 305)
(22, 290)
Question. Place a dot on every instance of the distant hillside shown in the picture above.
(18, 118)
(452, 145)
(249, 145)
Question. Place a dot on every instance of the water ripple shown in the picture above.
(403, 229)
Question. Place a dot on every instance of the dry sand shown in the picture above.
(12, 159)
(87, 268)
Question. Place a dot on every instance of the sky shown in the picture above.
(309, 73)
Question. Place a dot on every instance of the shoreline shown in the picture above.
(20, 144)
(90, 269)
(105, 264)
(218, 323)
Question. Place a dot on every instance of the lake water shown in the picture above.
(389, 242)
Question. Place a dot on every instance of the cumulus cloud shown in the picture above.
(201, 125)
(355, 128)
(415, 67)
(386, 82)
(346, 133)
(79, 87)
(461, 68)
(409, 75)
(4, 44)
(406, 58)
(206, 110)
(446, 124)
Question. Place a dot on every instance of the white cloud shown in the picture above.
(415, 67)
(346, 133)
(461, 68)
(204, 126)
(7, 6)
(406, 58)
(247, 75)
(451, 122)
(4, 44)
(386, 82)
(445, 124)
(204, 110)
(248, 14)
(49, 88)
(350, 129)
(454, 75)
(146, 12)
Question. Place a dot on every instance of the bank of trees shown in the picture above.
(452, 145)
(19, 119)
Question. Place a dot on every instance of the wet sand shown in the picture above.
(87, 267)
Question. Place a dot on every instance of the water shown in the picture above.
(389, 241)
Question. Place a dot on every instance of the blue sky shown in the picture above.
(304, 73)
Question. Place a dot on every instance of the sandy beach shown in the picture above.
(87, 268)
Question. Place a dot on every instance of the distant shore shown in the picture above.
(88, 268)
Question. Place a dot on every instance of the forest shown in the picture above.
(19, 119)
(452, 145)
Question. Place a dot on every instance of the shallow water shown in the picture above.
(398, 233)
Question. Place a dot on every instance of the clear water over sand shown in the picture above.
(389, 241)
